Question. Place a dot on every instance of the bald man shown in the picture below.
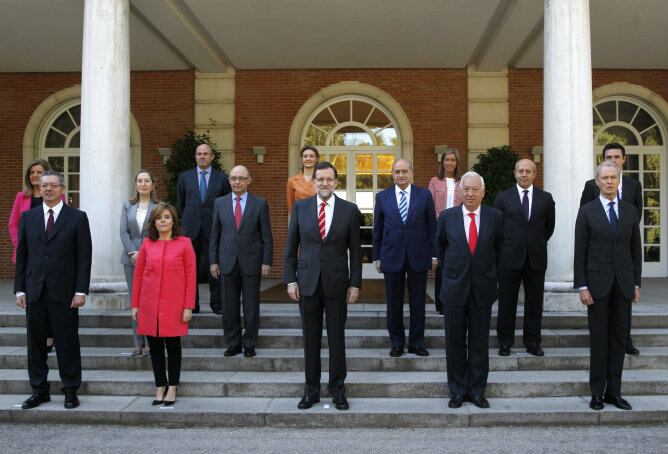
(240, 253)
(528, 223)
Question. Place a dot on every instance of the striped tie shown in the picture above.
(321, 220)
(403, 207)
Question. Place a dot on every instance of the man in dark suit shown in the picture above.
(469, 239)
(196, 191)
(53, 261)
(323, 235)
(607, 268)
(241, 250)
(404, 249)
(630, 191)
(528, 222)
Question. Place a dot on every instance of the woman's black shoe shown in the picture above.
(158, 402)
(169, 403)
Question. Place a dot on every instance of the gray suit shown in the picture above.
(240, 254)
(131, 238)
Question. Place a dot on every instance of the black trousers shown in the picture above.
(629, 340)
(44, 317)
(438, 282)
(509, 288)
(395, 284)
(201, 247)
(234, 285)
(608, 321)
(468, 368)
(157, 345)
(336, 311)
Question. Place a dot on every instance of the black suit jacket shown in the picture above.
(59, 265)
(194, 214)
(631, 193)
(464, 272)
(520, 236)
(309, 259)
(252, 245)
(600, 257)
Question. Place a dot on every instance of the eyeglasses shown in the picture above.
(50, 185)
(238, 178)
(325, 180)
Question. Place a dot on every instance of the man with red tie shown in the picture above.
(469, 240)
(241, 250)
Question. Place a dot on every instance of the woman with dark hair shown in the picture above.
(134, 220)
(163, 297)
(446, 192)
(301, 186)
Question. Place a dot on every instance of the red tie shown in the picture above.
(49, 224)
(321, 220)
(237, 212)
(473, 233)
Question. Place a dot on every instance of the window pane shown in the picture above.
(54, 139)
(597, 120)
(387, 136)
(652, 235)
(643, 120)
(73, 199)
(76, 113)
(651, 180)
(652, 217)
(57, 163)
(385, 162)
(74, 141)
(324, 118)
(340, 163)
(315, 136)
(633, 175)
(652, 162)
(652, 137)
(632, 162)
(341, 111)
(607, 111)
(626, 111)
(367, 219)
(652, 253)
(364, 171)
(617, 134)
(73, 164)
(652, 199)
(64, 123)
(73, 182)
(351, 136)
(361, 111)
(378, 120)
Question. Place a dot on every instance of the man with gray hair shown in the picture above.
(469, 242)
(607, 265)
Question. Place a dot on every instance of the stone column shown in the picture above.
(105, 142)
(568, 136)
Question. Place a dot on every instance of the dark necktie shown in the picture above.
(49, 224)
(202, 186)
(525, 204)
(237, 212)
(614, 220)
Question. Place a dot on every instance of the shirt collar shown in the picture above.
(466, 212)
(243, 196)
(207, 170)
(330, 201)
(56, 209)
(520, 189)
(397, 189)
(605, 201)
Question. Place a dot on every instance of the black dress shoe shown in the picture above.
(169, 403)
(479, 401)
(455, 401)
(249, 352)
(196, 310)
(596, 403)
(618, 402)
(71, 400)
(340, 402)
(419, 351)
(631, 350)
(535, 350)
(504, 350)
(440, 312)
(396, 352)
(233, 351)
(307, 402)
(35, 401)
(158, 402)
(217, 311)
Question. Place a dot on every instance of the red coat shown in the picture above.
(164, 284)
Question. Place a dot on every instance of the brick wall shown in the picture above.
(267, 101)
(161, 101)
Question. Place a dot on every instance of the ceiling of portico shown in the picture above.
(211, 35)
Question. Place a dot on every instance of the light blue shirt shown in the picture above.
(207, 175)
(244, 197)
(397, 192)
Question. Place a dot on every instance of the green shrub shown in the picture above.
(496, 166)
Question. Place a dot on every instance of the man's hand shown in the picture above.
(585, 297)
(293, 291)
(133, 257)
(215, 270)
(78, 301)
(134, 312)
(21, 301)
(434, 264)
(635, 299)
(377, 263)
(265, 270)
(187, 315)
(353, 294)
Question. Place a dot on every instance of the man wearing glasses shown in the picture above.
(53, 261)
(241, 251)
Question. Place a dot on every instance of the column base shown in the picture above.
(108, 296)
(561, 297)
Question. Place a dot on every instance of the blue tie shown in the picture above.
(614, 220)
(403, 206)
(202, 185)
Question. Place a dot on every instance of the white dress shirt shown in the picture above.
(467, 220)
(520, 190)
(450, 200)
(242, 202)
(397, 192)
(606, 207)
(329, 211)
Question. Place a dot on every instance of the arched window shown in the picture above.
(635, 125)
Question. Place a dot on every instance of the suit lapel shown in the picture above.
(214, 182)
(336, 215)
(412, 200)
(149, 209)
(484, 227)
(312, 209)
(39, 224)
(599, 214)
(250, 204)
(65, 213)
(461, 231)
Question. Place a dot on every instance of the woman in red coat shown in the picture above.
(163, 296)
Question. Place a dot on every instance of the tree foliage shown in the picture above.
(496, 166)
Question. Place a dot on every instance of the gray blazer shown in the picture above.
(131, 234)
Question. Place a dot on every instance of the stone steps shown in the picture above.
(358, 384)
(363, 413)
(372, 360)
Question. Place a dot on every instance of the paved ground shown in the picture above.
(19, 438)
